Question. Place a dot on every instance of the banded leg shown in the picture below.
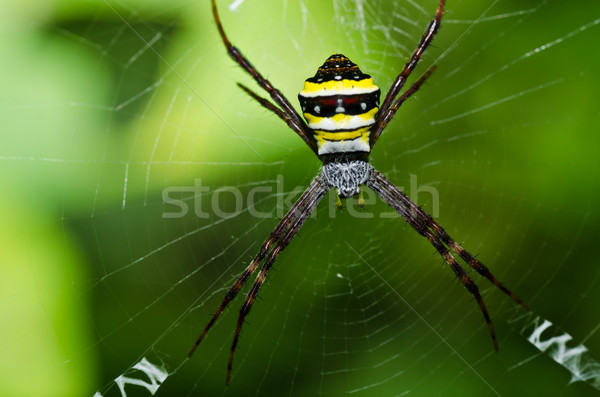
(426, 39)
(384, 119)
(426, 219)
(236, 287)
(289, 221)
(295, 123)
(422, 222)
(313, 197)
(464, 279)
(268, 105)
(400, 80)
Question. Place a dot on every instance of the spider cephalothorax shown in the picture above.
(346, 173)
(341, 105)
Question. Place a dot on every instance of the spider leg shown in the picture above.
(426, 39)
(457, 248)
(276, 234)
(386, 110)
(300, 126)
(267, 104)
(463, 277)
(384, 119)
(236, 287)
(301, 211)
(424, 224)
(285, 230)
(428, 220)
(289, 220)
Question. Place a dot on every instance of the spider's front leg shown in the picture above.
(425, 225)
(279, 238)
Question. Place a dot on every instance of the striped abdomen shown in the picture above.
(340, 104)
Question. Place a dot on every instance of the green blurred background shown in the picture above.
(105, 104)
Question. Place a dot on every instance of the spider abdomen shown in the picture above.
(340, 103)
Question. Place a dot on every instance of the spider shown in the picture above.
(344, 121)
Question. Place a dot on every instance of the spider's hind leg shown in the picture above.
(292, 118)
(298, 128)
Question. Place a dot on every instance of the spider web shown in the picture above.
(140, 181)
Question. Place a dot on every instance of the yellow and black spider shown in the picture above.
(341, 105)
